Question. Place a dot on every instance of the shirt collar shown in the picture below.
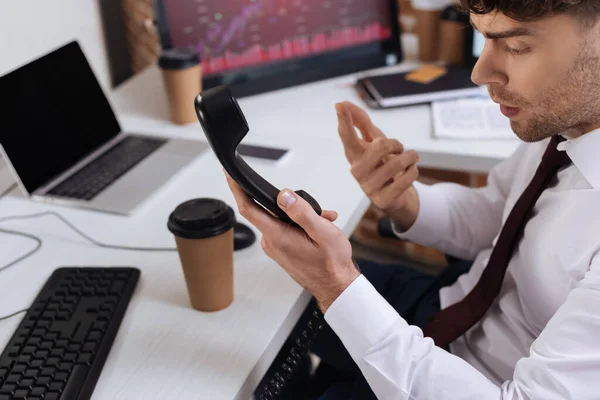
(583, 152)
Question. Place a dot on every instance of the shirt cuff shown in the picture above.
(432, 211)
(360, 317)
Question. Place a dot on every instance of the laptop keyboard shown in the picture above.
(104, 170)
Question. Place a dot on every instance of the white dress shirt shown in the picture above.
(541, 337)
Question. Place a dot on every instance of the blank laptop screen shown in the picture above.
(53, 113)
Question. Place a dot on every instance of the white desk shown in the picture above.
(164, 348)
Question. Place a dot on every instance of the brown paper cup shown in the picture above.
(204, 234)
(427, 29)
(182, 87)
(452, 36)
(208, 270)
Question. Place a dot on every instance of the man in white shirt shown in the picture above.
(535, 227)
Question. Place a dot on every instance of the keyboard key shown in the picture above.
(100, 326)
(26, 383)
(6, 363)
(49, 315)
(63, 316)
(65, 366)
(57, 352)
(56, 387)
(41, 354)
(74, 347)
(19, 369)
(52, 396)
(84, 358)
(38, 332)
(21, 394)
(14, 351)
(46, 345)
(117, 287)
(61, 377)
(32, 373)
(53, 361)
(8, 388)
(89, 347)
(24, 359)
(95, 336)
(38, 391)
(44, 381)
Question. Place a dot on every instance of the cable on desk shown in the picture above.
(294, 359)
(13, 314)
(30, 253)
(74, 228)
(83, 235)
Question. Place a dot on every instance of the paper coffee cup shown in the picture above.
(182, 76)
(452, 36)
(428, 33)
(428, 16)
(203, 230)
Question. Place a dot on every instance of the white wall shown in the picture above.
(31, 28)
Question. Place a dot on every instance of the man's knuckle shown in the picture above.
(376, 198)
(367, 188)
(266, 245)
(379, 145)
(244, 210)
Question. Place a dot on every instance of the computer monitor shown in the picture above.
(260, 45)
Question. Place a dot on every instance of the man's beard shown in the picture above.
(572, 104)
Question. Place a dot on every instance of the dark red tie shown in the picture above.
(452, 322)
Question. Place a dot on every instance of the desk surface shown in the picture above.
(164, 348)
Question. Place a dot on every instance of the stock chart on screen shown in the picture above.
(234, 34)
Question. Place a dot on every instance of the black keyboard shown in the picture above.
(60, 347)
(107, 168)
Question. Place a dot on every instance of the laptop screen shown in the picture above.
(53, 113)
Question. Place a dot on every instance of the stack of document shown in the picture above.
(470, 118)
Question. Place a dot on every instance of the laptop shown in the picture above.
(64, 145)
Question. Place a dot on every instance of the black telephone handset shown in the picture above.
(225, 126)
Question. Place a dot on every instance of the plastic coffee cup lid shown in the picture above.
(178, 58)
(201, 218)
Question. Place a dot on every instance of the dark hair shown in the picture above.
(529, 10)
